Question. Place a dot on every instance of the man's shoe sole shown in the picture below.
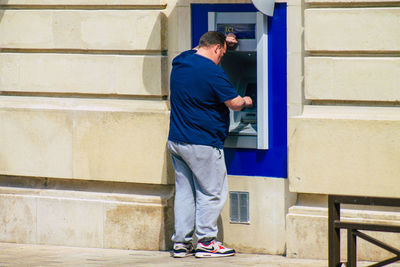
(182, 255)
(212, 255)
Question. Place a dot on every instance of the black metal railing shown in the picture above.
(353, 230)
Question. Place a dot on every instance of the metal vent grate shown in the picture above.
(239, 202)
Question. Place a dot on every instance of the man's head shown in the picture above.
(213, 45)
(212, 38)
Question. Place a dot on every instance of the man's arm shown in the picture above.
(230, 41)
(239, 103)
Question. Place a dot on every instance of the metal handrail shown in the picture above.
(334, 226)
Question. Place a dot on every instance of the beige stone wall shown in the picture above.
(346, 132)
(83, 97)
(84, 122)
(82, 90)
(83, 103)
(344, 120)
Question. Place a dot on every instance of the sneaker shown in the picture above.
(182, 250)
(214, 249)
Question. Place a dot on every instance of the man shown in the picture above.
(200, 96)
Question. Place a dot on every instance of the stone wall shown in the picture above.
(83, 123)
(343, 100)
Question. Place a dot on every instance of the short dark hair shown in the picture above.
(212, 38)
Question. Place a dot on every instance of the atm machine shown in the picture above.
(246, 66)
(257, 140)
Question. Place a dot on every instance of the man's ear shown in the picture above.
(216, 47)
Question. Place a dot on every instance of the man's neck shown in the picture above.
(206, 52)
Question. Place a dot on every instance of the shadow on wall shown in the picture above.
(151, 75)
(155, 81)
(155, 74)
(167, 228)
(2, 4)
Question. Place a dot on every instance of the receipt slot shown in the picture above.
(247, 68)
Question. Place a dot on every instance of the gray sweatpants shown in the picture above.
(201, 189)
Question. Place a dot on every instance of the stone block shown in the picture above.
(294, 2)
(295, 28)
(307, 236)
(352, 29)
(345, 150)
(135, 226)
(69, 222)
(35, 142)
(269, 199)
(129, 146)
(17, 219)
(294, 110)
(88, 30)
(112, 140)
(363, 79)
(295, 78)
(83, 74)
(70, 213)
(179, 30)
(295, 57)
(83, 2)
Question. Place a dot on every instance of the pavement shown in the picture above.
(41, 255)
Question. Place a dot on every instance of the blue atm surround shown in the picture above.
(253, 162)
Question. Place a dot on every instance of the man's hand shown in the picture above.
(231, 41)
(248, 101)
(239, 103)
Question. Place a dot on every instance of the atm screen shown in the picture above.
(242, 31)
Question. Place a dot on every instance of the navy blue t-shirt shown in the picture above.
(199, 89)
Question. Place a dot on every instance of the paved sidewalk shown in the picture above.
(35, 255)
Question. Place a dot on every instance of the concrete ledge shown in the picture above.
(86, 219)
(107, 140)
(307, 233)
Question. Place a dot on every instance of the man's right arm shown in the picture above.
(239, 103)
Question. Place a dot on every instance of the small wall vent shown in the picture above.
(239, 203)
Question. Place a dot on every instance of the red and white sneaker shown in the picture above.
(214, 249)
